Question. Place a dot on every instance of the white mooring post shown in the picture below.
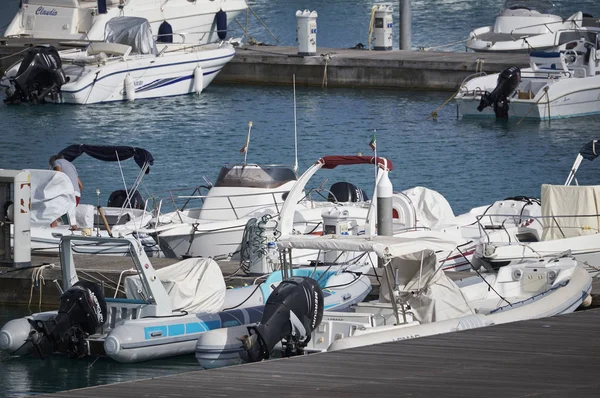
(405, 25)
(306, 32)
(383, 28)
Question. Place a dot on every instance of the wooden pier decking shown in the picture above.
(551, 357)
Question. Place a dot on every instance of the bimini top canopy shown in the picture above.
(131, 31)
(331, 162)
(110, 153)
(383, 246)
(589, 150)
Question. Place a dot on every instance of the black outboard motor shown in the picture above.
(508, 81)
(346, 192)
(118, 198)
(40, 75)
(292, 312)
(82, 312)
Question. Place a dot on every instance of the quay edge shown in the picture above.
(332, 67)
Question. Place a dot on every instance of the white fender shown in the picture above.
(129, 88)
(198, 80)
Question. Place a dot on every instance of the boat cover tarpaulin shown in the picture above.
(430, 293)
(577, 204)
(421, 284)
(131, 31)
(109, 153)
(432, 209)
(52, 195)
(589, 150)
(194, 285)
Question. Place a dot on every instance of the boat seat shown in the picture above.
(548, 61)
(108, 49)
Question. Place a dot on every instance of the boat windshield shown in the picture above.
(542, 6)
(254, 176)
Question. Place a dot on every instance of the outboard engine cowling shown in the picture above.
(346, 192)
(118, 198)
(40, 75)
(82, 312)
(508, 81)
(292, 312)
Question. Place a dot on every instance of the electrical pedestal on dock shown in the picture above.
(307, 32)
(383, 28)
(15, 215)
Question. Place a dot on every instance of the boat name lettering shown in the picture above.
(42, 11)
(138, 83)
(412, 336)
(98, 308)
(314, 322)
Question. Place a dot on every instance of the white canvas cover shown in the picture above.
(432, 296)
(194, 285)
(430, 293)
(52, 195)
(131, 31)
(431, 207)
(84, 215)
(561, 200)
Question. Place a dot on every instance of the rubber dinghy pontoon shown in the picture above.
(341, 287)
(163, 314)
(417, 298)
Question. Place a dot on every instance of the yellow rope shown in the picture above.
(434, 114)
(536, 102)
(371, 24)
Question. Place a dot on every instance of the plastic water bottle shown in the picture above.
(272, 253)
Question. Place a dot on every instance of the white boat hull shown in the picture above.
(153, 77)
(80, 21)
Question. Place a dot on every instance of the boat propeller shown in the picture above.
(82, 312)
(293, 310)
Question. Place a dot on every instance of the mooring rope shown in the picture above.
(17, 53)
(37, 279)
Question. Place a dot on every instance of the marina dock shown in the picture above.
(332, 67)
(544, 357)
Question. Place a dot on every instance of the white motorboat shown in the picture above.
(417, 299)
(199, 22)
(569, 224)
(128, 65)
(164, 311)
(214, 235)
(557, 84)
(529, 25)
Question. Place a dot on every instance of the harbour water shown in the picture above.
(470, 162)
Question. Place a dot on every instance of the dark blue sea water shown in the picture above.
(471, 162)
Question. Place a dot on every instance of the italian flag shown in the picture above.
(373, 143)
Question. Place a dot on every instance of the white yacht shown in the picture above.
(128, 65)
(199, 22)
(529, 25)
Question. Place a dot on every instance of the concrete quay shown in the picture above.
(336, 67)
(331, 67)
